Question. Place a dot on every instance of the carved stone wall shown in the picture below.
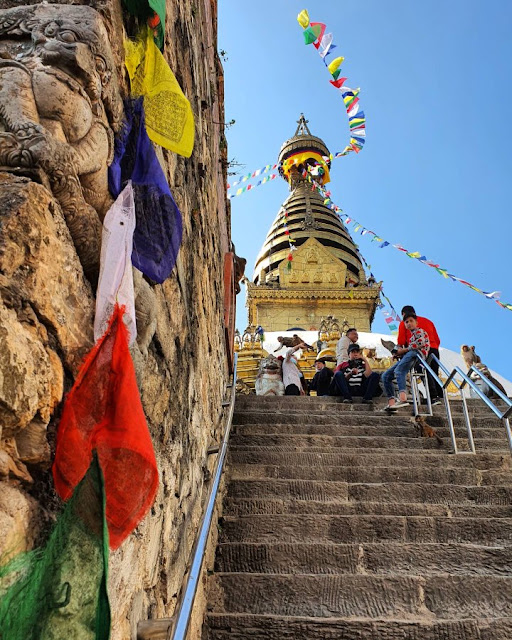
(61, 85)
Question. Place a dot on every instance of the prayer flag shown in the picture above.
(303, 19)
(169, 117)
(103, 413)
(333, 66)
(115, 283)
(158, 230)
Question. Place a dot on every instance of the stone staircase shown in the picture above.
(341, 523)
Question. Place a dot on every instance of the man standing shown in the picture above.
(356, 378)
(322, 379)
(291, 373)
(404, 337)
(343, 344)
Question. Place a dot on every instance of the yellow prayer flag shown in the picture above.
(303, 19)
(335, 64)
(169, 117)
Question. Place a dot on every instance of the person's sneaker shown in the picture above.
(435, 401)
(389, 409)
(401, 403)
(365, 401)
(347, 401)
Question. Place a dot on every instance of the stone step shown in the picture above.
(383, 442)
(250, 402)
(262, 506)
(368, 492)
(432, 476)
(368, 558)
(377, 419)
(367, 458)
(391, 597)
(346, 529)
(222, 626)
(407, 430)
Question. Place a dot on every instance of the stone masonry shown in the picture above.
(341, 523)
(62, 82)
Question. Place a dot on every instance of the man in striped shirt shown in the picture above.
(355, 378)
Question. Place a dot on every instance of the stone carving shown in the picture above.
(59, 108)
(269, 380)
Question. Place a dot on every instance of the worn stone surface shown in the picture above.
(56, 137)
(344, 523)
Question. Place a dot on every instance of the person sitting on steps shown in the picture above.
(436, 393)
(343, 344)
(322, 379)
(355, 378)
(418, 343)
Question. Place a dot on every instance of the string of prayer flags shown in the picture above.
(314, 33)
(169, 117)
(291, 241)
(415, 255)
(103, 416)
(153, 12)
(252, 186)
(60, 590)
(159, 226)
(115, 284)
(254, 174)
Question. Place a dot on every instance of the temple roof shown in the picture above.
(308, 216)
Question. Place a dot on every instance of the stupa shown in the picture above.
(297, 284)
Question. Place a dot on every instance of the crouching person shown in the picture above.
(321, 381)
(355, 378)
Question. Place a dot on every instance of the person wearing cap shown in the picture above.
(404, 338)
(322, 379)
(355, 378)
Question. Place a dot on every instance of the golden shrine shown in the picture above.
(309, 268)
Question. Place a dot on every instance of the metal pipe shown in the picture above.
(450, 420)
(446, 399)
(478, 391)
(469, 429)
(509, 433)
(181, 622)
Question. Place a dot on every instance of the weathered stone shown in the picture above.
(53, 196)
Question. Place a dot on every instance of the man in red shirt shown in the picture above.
(436, 393)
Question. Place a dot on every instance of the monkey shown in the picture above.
(469, 355)
(425, 430)
(294, 341)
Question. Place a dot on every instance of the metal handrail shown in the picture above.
(502, 415)
(181, 620)
(496, 390)
(426, 366)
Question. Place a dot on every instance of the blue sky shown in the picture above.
(434, 175)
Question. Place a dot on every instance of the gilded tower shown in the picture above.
(309, 266)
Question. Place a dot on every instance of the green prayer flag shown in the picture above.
(146, 9)
(309, 35)
(59, 592)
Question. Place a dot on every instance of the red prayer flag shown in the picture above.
(103, 412)
(338, 83)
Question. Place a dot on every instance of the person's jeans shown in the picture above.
(434, 389)
(400, 371)
(368, 389)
